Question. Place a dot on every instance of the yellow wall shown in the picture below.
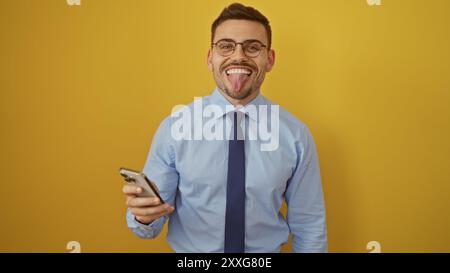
(83, 89)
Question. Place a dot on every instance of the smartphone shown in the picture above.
(141, 180)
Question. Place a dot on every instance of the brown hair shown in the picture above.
(239, 11)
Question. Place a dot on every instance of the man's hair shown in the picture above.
(239, 11)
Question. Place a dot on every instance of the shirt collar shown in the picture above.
(217, 98)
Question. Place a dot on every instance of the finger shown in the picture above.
(131, 189)
(150, 211)
(143, 202)
(165, 212)
(154, 217)
(129, 197)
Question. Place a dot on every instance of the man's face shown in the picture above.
(238, 75)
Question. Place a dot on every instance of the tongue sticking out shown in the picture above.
(237, 80)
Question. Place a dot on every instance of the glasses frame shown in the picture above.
(246, 42)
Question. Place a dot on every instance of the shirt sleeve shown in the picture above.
(304, 199)
(159, 168)
(149, 231)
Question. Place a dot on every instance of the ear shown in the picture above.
(270, 60)
(209, 60)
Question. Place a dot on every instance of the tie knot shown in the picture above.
(238, 115)
(236, 118)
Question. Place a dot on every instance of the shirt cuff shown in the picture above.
(150, 229)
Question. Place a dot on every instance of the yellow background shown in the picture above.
(83, 89)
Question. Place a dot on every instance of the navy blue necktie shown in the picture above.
(235, 211)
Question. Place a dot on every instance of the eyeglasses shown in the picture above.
(251, 48)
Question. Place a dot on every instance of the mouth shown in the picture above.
(244, 71)
(238, 76)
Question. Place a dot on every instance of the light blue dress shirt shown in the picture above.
(192, 176)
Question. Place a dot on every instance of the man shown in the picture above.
(225, 195)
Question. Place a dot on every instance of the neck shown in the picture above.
(236, 102)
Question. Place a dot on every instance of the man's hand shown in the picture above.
(145, 209)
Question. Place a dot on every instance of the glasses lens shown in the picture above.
(225, 47)
(252, 49)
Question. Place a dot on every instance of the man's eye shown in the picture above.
(253, 48)
(226, 46)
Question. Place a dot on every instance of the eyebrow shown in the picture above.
(245, 41)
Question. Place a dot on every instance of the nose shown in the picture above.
(239, 52)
